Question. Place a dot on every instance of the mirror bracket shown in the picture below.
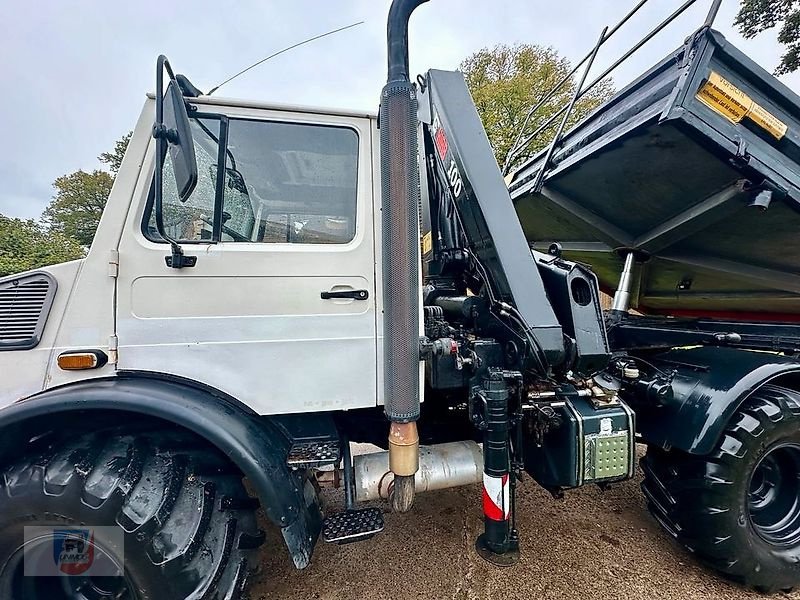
(162, 131)
(178, 260)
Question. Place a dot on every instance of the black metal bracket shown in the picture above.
(178, 260)
(161, 131)
(349, 474)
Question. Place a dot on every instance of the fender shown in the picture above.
(252, 442)
(710, 385)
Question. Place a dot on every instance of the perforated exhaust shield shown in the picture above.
(400, 197)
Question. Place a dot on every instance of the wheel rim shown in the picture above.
(61, 587)
(774, 496)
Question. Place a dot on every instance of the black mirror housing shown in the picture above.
(176, 129)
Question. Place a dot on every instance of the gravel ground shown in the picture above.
(590, 544)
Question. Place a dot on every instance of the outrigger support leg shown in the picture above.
(499, 543)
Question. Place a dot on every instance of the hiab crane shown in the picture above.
(271, 283)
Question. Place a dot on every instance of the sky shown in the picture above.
(75, 74)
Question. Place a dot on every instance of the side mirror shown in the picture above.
(173, 134)
(179, 144)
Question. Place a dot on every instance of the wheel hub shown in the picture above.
(96, 588)
(774, 496)
(60, 587)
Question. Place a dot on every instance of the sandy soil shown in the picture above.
(591, 544)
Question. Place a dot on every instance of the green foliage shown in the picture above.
(114, 158)
(68, 223)
(26, 245)
(81, 197)
(78, 204)
(757, 16)
(507, 81)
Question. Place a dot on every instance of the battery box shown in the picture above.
(591, 445)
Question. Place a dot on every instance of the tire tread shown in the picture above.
(690, 496)
(163, 489)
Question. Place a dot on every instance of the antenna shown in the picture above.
(292, 47)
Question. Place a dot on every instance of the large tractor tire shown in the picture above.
(738, 509)
(179, 506)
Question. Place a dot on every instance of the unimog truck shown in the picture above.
(271, 283)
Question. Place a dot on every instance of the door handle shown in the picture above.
(345, 295)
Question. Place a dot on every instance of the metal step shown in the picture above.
(352, 525)
(307, 455)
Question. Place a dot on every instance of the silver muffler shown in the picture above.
(441, 466)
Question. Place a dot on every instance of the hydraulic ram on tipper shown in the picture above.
(401, 262)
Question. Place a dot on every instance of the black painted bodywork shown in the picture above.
(633, 332)
(251, 442)
(573, 293)
(709, 385)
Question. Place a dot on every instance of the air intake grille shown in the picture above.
(24, 305)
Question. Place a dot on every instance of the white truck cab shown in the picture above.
(292, 221)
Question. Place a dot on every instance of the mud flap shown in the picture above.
(301, 536)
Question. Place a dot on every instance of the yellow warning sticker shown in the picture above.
(427, 243)
(768, 121)
(723, 97)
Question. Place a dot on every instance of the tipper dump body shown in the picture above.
(695, 167)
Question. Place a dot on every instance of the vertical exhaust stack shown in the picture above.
(400, 222)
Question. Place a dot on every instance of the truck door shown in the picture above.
(279, 309)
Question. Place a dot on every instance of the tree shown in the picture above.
(26, 245)
(78, 204)
(114, 158)
(81, 197)
(757, 16)
(507, 81)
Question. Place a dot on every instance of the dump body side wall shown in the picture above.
(696, 166)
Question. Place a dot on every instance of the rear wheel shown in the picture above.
(738, 509)
(168, 511)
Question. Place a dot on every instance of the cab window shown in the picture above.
(283, 183)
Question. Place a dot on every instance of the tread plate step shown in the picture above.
(352, 525)
(313, 454)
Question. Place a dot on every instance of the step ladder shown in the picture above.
(351, 525)
(313, 454)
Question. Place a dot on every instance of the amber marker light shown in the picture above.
(82, 359)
